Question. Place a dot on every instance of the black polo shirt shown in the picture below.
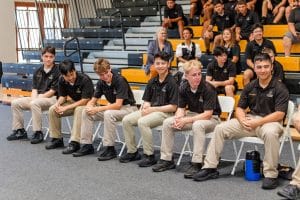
(265, 101)
(205, 98)
(235, 50)
(118, 89)
(160, 94)
(253, 48)
(174, 12)
(43, 81)
(278, 71)
(246, 22)
(224, 21)
(221, 73)
(295, 18)
(83, 87)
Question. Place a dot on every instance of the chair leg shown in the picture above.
(187, 136)
(29, 124)
(293, 151)
(237, 159)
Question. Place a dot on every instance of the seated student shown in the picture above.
(160, 101)
(79, 88)
(244, 21)
(200, 98)
(117, 91)
(292, 190)
(233, 48)
(195, 9)
(277, 9)
(160, 44)
(289, 7)
(260, 112)
(220, 18)
(293, 35)
(221, 73)
(277, 67)
(44, 89)
(174, 17)
(253, 48)
(187, 50)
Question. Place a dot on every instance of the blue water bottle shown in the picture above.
(252, 166)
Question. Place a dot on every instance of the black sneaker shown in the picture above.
(55, 143)
(290, 192)
(206, 174)
(147, 161)
(73, 147)
(86, 149)
(269, 183)
(17, 135)
(37, 137)
(163, 165)
(108, 154)
(192, 170)
(128, 157)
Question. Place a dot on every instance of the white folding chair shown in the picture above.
(138, 95)
(286, 136)
(46, 128)
(227, 106)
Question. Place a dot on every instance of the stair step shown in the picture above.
(139, 35)
(132, 42)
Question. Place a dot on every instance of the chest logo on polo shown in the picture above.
(78, 90)
(225, 71)
(252, 94)
(114, 92)
(270, 94)
(201, 99)
(248, 18)
(227, 18)
(50, 77)
(164, 89)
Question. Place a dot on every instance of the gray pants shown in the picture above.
(199, 128)
(269, 133)
(145, 124)
(109, 118)
(37, 106)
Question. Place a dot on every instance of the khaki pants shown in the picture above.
(37, 106)
(269, 133)
(109, 118)
(145, 124)
(199, 128)
(296, 176)
(55, 122)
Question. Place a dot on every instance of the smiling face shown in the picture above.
(221, 59)
(258, 33)
(105, 76)
(263, 69)
(162, 34)
(161, 65)
(226, 35)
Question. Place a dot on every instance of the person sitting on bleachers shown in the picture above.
(292, 190)
(244, 21)
(187, 50)
(261, 109)
(276, 7)
(220, 18)
(121, 102)
(277, 67)
(221, 73)
(233, 48)
(208, 9)
(174, 17)
(293, 35)
(195, 9)
(43, 95)
(74, 90)
(253, 48)
(291, 5)
(160, 44)
(200, 98)
(160, 101)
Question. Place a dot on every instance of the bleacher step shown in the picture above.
(139, 35)
(146, 24)
(132, 42)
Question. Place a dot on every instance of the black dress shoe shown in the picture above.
(163, 165)
(147, 161)
(108, 154)
(269, 183)
(205, 174)
(73, 147)
(290, 192)
(86, 149)
(55, 143)
(37, 137)
(17, 135)
(192, 170)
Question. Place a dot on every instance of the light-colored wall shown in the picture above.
(7, 32)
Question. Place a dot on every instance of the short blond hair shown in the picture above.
(192, 64)
(101, 65)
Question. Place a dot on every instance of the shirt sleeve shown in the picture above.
(281, 98)
(248, 51)
(198, 52)
(178, 51)
(210, 69)
(232, 69)
(61, 87)
(87, 89)
(209, 98)
(98, 92)
(243, 102)
(122, 89)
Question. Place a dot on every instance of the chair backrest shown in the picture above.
(290, 113)
(138, 96)
(227, 105)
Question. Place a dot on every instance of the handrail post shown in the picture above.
(122, 26)
(75, 51)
